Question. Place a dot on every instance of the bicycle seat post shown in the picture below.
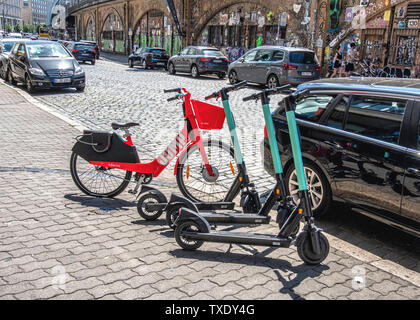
(126, 133)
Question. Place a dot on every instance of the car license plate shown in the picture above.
(63, 80)
(85, 54)
(160, 64)
(217, 60)
(306, 73)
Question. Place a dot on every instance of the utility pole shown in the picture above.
(188, 23)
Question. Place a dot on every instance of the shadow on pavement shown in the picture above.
(105, 204)
(279, 266)
(373, 236)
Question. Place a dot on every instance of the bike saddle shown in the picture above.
(117, 126)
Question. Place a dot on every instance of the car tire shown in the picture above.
(194, 71)
(92, 62)
(130, 63)
(233, 77)
(80, 89)
(272, 81)
(10, 78)
(144, 64)
(171, 68)
(221, 75)
(28, 84)
(319, 188)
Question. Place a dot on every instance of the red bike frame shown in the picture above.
(180, 144)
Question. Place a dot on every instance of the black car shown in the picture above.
(361, 144)
(149, 58)
(94, 46)
(82, 51)
(198, 61)
(44, 65)
(5, 46)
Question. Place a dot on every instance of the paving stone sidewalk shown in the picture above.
(56, 243)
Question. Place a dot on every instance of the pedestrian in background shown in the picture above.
(338, 62)
(351, 58)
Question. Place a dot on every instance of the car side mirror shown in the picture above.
(242, 60)
(22, 58)
(178, 54)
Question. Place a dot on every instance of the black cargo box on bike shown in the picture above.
(104, 146)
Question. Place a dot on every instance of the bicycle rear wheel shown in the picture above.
(98, 181)
(193, 179)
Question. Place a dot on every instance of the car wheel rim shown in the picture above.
(194, 72)
(171, 68)
(28, 84)
(315, 187)
(232, 77)
(272, 83)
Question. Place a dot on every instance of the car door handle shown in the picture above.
(414, 171)
(334, 145)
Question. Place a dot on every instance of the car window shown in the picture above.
(302, 57)
(15, 49)
(250, 55)
(158, 52)
(278, 55)
(212, 53)
(264, 55)
(7, 46)
(192, 52)
(312, 107)
(21, 50)
(184, 51)
(138, 51)
(377, 118)
(83, 47)
(336, 118)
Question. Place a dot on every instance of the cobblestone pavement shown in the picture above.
(57, 243)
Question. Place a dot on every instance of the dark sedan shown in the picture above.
(361, 144)
(82, 51)
(149, 58)
(43, 65)
(6, 46)
(198, 61)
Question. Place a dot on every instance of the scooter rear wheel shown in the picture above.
(183, 242)
(146, 199)
(307, 254)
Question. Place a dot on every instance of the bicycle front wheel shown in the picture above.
(98, 181)
(192, 176)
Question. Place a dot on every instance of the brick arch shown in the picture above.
(157, 5)
(89, 16)
(205, 19)
(106, 15)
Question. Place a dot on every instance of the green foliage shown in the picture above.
(18, 28)
(25, 27)
(9, 28)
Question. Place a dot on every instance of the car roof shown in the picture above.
(204, 48)
(284, 48)
(386, 85)
(13, 39)
(38, 41)
(154, 48)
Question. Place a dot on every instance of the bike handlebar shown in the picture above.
(179, 95)
(266, 92)
(234, 87)
(177, 90)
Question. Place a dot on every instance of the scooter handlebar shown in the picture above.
(234, 87)
(267, 92)
(177, 90)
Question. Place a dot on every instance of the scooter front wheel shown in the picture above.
(182, 240)
(149, 198)
(171, 216)
(306, 252)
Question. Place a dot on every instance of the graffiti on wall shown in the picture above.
(406, 50)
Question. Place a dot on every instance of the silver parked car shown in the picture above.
(275, 65)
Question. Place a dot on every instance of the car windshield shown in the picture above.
(303, 57)
(47, 50)
(212, 53)
(158, 51)
(7, 46)
(84, 47)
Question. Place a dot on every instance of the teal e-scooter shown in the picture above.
(192, 230)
